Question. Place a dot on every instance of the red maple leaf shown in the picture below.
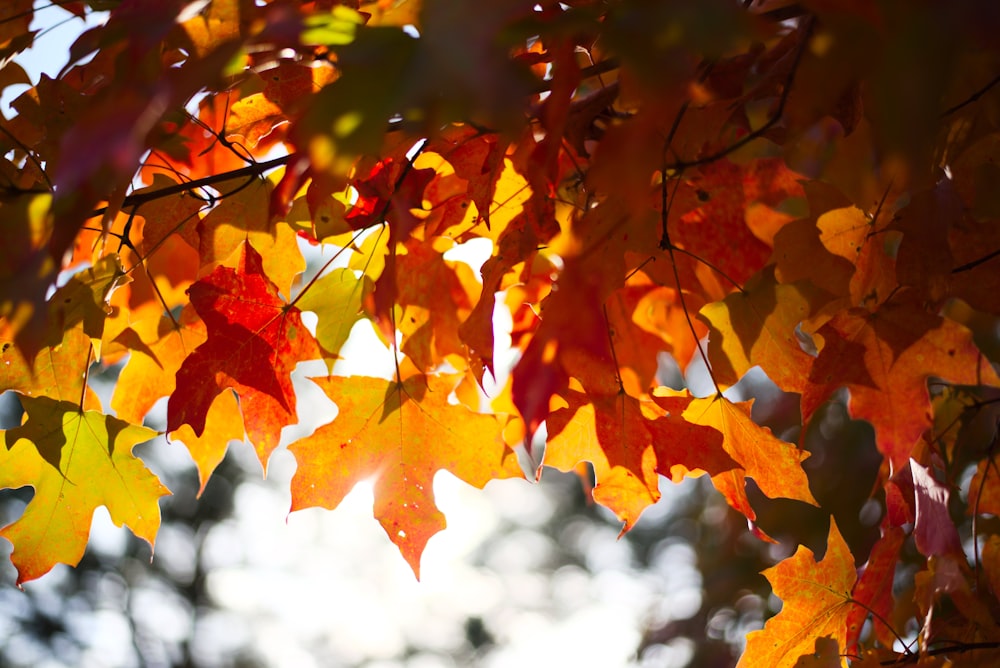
(255, 340)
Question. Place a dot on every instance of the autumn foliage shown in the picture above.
(809, 187)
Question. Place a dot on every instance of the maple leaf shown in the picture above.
(933, 531)
(816, 599)
(713, 225)
(757, 327)
(255, 339)
(436, 296)
(775, 168)
(400, 435)
(948, 576)
(76, 461)
(991, 562)
(629, 442)
(58, 371)
(572, 340)
(642, 320)
(223, 425)
(163, 216)
(944, 250)
(984, 489)
(885, 358)
(519, 239)
(478, 158)
(823, 248)
(15, 17)
(776, 466)
(282, 91)
(840, 248)
(242, 216)
(336, 300)
(390, 192)
(158, 348)
(200, 153)
(26, 272)
(84, 299)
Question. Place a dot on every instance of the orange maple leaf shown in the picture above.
(756, 327)
(436, 294)
(400, 435)
(243, 216)
(714, 201)
(158, 348)
(629, 442)
(816, 598)
(478, 158)
(776, 466)
(885, 358)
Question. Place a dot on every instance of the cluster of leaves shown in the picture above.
(810, 187)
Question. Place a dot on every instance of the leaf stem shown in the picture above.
(326, 265)
(614, 355)
(667, 245)
(86, 375)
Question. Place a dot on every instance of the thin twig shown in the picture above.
(681, 165)
(972, 98)
(250, 170)
(325, 266)
(698, 258)
(937, 651)
(163, 301)
(975, 263)
(86, 375)
(668, 245)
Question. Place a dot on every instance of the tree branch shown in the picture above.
(255, 169)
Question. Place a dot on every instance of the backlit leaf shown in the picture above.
(629, 442)
(757, 327)
(776, 466)
(255, 339)
(816, 599)
(76, 462)
(399, 435)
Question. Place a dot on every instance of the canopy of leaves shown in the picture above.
(804, 188)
